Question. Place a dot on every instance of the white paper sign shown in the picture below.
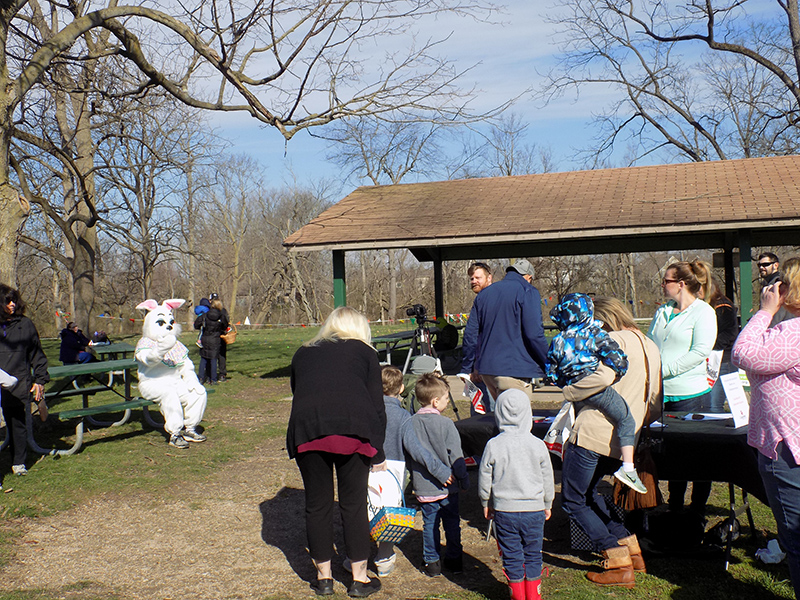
(737, 400)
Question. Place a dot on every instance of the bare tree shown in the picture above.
(290, 66)
(738, 98)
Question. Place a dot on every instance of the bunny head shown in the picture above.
(159, 321)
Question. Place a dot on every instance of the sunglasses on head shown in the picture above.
(480, 265)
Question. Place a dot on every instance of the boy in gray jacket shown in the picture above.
(438, 502)
(515, 486)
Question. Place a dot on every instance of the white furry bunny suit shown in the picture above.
(166, 374)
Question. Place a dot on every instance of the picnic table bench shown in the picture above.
(71, 380)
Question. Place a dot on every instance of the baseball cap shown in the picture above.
(522, 266)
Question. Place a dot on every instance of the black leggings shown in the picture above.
(352, 473)
(16, 427)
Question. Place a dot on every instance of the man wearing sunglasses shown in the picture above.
(769, 271)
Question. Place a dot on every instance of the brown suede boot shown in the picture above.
(617, 569)
(635, 551)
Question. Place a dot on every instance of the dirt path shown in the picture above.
(240, 535)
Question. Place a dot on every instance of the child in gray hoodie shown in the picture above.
(515, 486)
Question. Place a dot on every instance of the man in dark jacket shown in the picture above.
(769, 270)
(505, 344)
(73, 345)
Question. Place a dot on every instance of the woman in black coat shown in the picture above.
(21, 355)
(338, 423)
(212, 325)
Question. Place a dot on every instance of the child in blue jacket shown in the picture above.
(576, 352)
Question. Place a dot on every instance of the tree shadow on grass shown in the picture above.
(279, 372)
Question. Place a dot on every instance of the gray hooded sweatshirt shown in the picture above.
(516, 474)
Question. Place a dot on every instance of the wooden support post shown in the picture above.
(745, 276)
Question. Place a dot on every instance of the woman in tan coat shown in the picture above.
(592, 451)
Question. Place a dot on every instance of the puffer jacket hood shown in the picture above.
(574, 310)
(513, 412)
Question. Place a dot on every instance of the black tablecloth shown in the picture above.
(690, 450)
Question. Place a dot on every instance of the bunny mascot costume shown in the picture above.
(166, 374)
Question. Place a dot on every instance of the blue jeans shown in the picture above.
(782, 482)
(615, 409)
(443, 511)
(716, 398)
(581, 471)
(519, 536)
(208, 364)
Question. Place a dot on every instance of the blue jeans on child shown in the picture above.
(614, 407)
(443, 511)
(210, 365)
(519, 536)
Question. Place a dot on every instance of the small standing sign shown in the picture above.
(737, 399)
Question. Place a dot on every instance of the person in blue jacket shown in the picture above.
(504, 343)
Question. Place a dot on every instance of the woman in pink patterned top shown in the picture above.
(771, 358)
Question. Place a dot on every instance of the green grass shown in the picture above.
(133, 459)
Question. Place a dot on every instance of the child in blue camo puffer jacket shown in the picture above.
(574, 353)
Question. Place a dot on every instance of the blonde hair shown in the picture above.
(216, 304)
(392, 380)
(613, 313)
(344, 323)
(430, 386)
(791, 277)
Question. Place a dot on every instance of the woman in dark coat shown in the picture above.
(338, 423)
(73, 345)
(212, 324)
(21, 355)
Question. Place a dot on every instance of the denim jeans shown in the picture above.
(615, 409)
(581, 471)
(782, 482)
(443, 511)
(701, 490)
(210, 365)
(519, 536)
(716, 400)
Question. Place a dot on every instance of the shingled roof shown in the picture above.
(684, 198)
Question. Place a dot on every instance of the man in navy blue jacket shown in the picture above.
(504, 343)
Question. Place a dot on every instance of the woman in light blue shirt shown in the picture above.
(685, 329)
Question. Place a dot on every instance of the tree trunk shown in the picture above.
(13, 210)
(392, 284)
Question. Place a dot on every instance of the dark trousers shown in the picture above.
(223, 360)
(352, 473)
(14, 415)
(208, 369)
(701, 490)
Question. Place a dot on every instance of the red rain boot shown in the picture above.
(533, 589)
(517, 590)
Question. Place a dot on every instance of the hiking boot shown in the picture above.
(617, 569)
(631, 479)
(433, 569)
(19, 470)
(359, 589)
(190, 435)
(635, 551)
(178, 441)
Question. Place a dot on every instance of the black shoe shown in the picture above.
(359, 589)
(433, 569)
(454, 565)
(323, 587)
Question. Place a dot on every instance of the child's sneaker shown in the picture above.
(19, 469)
(631, 479)
(433, 569)
(386, 566)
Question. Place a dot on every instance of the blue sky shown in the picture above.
(509, 55)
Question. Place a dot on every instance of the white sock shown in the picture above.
(626, 466)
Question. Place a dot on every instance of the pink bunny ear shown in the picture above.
(174, 303)
(148, 304)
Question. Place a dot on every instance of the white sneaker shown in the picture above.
(178, 441)
(190, 435)
(631, 479)
(19, 469)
